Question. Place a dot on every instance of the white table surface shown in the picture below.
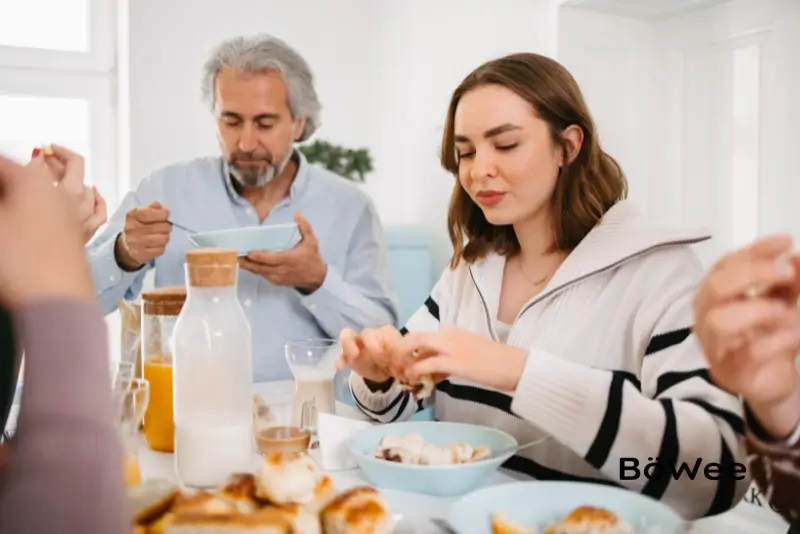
(416, 509)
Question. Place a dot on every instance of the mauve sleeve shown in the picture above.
(63, 469)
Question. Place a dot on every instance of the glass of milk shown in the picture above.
(313, 365)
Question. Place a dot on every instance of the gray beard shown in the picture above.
(253, 178)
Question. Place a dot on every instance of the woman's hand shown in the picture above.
(95, 213)
(748, 323)
(375, 354)
(69, 169)
(465, 355)
(40, 238)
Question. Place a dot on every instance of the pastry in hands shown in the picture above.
(48, 150)
(424, 389)
(360, 510)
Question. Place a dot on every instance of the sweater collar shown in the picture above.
(621, 235)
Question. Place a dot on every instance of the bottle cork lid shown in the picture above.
(212, 256)
(168, 300)
(165, 294)
(212, 267)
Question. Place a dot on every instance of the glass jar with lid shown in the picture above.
(213, 373)
(160, 310)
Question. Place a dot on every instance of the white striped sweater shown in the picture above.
(613, 371)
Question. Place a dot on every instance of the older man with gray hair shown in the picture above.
(261, 94)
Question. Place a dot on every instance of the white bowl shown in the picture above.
(269, 238)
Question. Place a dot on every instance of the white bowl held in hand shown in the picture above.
(268, 238)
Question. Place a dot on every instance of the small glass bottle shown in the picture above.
(160, 310)
(213, 373)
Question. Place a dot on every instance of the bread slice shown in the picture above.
(360, 510)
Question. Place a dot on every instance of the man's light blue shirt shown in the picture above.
(357, 291)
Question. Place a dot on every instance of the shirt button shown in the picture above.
(247, 302)
(112, 278)
(313, 307)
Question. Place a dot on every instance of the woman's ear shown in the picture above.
(573, 137)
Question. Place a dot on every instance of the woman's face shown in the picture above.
(508, 163)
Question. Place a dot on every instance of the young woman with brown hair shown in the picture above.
(564, 312)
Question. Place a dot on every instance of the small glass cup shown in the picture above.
(313, 365)
(131, 396)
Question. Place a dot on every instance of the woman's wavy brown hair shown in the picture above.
(587, 186)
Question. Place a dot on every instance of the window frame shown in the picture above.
(101, 57)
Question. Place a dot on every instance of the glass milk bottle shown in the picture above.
(213, 374)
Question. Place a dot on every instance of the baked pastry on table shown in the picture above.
(581, 520)
(288, 494)
(360, 510)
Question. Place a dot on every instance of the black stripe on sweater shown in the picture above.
(669, 451)
(501, 401)
(667, 340)
(529, 467)
(406, 396)
(495, 399)
(736, 423)
(401, 396)
(609, 427)
(668, 380)
(433, 308)
(726, 484)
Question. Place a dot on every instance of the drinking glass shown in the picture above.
(313, 365)
(131, 396)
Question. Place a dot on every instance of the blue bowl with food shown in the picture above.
(430, 457)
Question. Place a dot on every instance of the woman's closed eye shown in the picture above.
(502, 148)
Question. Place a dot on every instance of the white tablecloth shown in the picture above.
(418, 510)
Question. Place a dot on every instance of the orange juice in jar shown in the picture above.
(160, 310)
(133, 474)
(159, 426)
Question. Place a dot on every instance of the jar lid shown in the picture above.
(165, 294)
(212, 256)
(212, 267)
(168, 300)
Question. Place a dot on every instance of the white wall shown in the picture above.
(698, 109)
(384, 73)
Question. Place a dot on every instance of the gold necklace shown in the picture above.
(534, 284)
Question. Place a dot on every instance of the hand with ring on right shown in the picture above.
(748, 324)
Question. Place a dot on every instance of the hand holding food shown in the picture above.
(43, 255)
(379, 355)
(144, 237)
(748, 323)
(68, 171)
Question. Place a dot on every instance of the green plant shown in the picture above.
(349, 163)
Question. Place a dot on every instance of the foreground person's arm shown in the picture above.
(63, 470)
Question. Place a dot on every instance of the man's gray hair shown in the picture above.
(262, 53)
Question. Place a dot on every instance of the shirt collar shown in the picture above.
(296, 190)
